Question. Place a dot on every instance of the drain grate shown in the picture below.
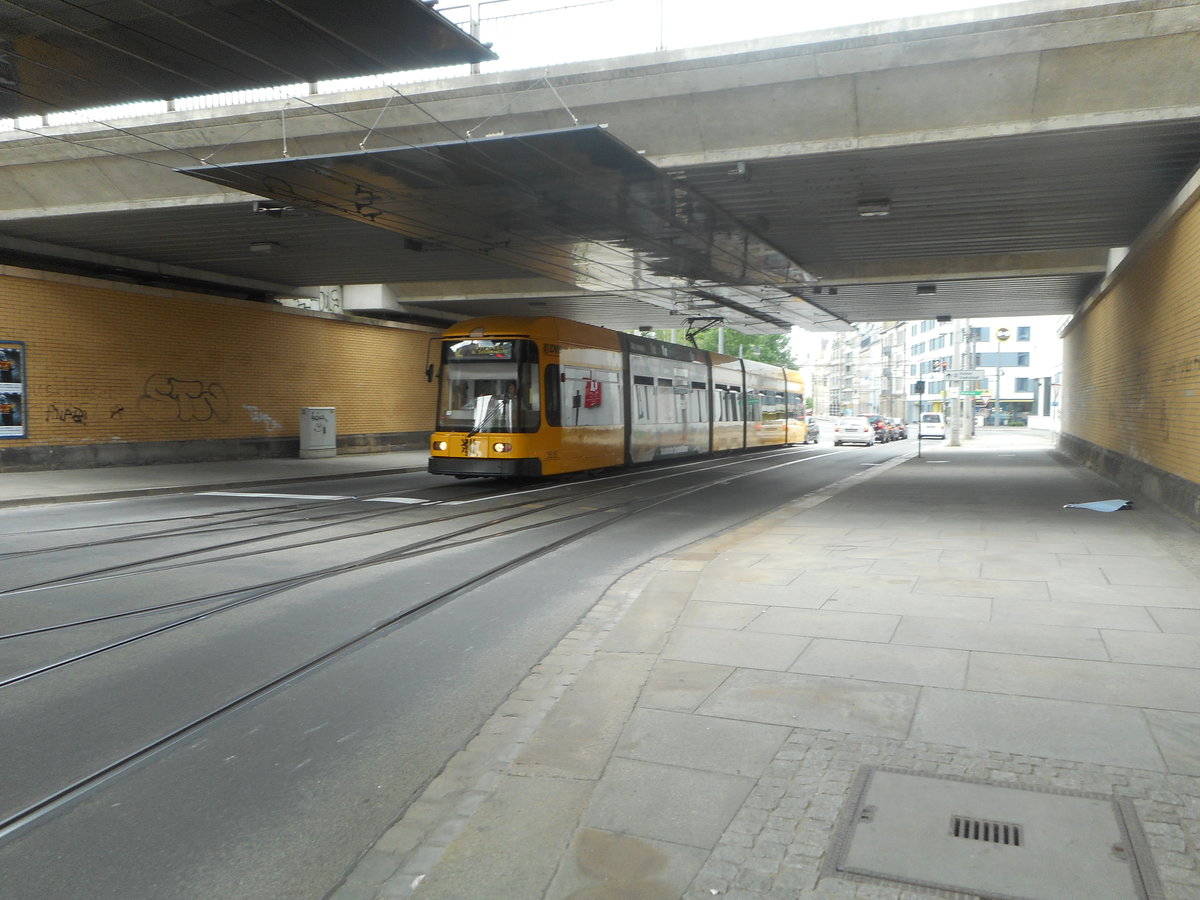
(1005, 833)
(1004, 842)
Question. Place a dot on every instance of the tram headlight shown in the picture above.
(501, 447)
(440, 445)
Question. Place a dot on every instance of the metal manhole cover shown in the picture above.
(1007, 843)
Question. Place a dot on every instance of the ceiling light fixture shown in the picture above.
(870, 209)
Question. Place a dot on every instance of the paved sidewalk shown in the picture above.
(63, 485)
(708, 728)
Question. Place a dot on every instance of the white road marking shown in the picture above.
(275, 496)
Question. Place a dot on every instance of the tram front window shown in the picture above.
(489, 386)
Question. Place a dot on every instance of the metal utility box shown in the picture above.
(318, 431)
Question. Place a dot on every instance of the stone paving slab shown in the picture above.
(1083, 615)
(734, 648)
(700, 742)
(1089, 732)
(814, 701)
(891, 663)
(663, 802)
(1090, 681)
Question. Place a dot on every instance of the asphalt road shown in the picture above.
(183, 790)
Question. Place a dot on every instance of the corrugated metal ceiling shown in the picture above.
(73, 54)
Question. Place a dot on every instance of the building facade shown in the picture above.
(902, 369)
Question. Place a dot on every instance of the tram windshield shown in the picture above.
(489, 386)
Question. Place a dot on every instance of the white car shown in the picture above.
(932, 425)
(853, 430)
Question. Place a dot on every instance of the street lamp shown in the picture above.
(996, 399)
(1002, 335)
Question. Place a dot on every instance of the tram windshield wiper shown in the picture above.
(485, 409)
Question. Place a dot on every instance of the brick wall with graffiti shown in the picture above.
(115, 365)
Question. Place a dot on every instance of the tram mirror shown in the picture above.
(429, 372)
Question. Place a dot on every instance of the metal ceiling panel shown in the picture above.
(1085, 188)
(576, 206)
(74, 54)
(293, 247)
(1056, 295)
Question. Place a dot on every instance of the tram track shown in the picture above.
(148, 565)
(452, 540)
(53, 800)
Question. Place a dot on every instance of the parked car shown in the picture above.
(813, 434)
(880, 427)
(853, 430)
(901, 428)
(932, 425)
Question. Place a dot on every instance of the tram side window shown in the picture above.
(553, 404)
(643, 398)
(773, 407)
(665, 397)
(795, 406)
(590, 397)
(699, 401)
(753, 406)
(732, 406)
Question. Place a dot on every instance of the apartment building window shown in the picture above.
(1023, 332)
(1022, 385)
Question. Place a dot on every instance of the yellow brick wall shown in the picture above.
(1132, 361)
(109, 364)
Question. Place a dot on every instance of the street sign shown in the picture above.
(966, 375)
(970, 393)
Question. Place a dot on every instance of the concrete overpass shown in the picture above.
(961, 165)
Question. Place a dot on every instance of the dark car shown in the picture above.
(813, 434)
(901, 429)
(882, 433)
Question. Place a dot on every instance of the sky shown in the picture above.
(534, 32)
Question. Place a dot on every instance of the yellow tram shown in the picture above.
(535, 396)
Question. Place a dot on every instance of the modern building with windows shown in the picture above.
(1017, 364)
(880, 367)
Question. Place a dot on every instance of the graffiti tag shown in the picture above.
(166, 398)
(257, 415)
(74, 414)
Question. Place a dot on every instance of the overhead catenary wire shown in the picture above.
(605, 278)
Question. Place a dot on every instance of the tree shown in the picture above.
(769, 348)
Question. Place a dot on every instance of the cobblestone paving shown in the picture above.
(776, 846)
